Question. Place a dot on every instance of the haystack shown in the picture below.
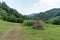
(38, 25)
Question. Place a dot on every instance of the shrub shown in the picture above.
(19, 20)
(29, 22)
(11, 19)
(57, 22)
(46, 21)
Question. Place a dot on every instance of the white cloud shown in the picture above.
(3, 0)
(43, 5)
(48, 4)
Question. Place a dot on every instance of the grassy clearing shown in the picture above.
(51, 32)
(4, 26)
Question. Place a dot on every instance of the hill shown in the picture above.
(10, 14)
(47, 14)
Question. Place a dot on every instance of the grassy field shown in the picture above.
(51, 32)
(4, 26)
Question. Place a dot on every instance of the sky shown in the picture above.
(27, 7)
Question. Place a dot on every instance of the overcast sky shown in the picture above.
(32, 6)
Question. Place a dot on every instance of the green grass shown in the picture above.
(51, 32)
(4, 26)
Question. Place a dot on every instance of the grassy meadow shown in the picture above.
(50, 32)
(4, 26)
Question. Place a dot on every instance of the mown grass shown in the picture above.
(4, 26)
(50, 32)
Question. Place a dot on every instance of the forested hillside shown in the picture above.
(47, 14)
(10, 14)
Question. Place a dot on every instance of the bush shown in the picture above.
(19, 20)
(57, 22)
(11, 18)
(46, 21)
(29, 22)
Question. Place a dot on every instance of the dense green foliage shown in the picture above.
(19, 20)
(55, 20)
(29, 22)
(10, 14)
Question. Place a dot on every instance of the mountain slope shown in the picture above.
(47, 14)
(10, 14)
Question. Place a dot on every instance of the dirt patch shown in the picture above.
(12, 34)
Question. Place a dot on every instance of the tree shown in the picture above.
(5, 7)
(12, 18)
(3, 15)
(10, 14)
(0, 5)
